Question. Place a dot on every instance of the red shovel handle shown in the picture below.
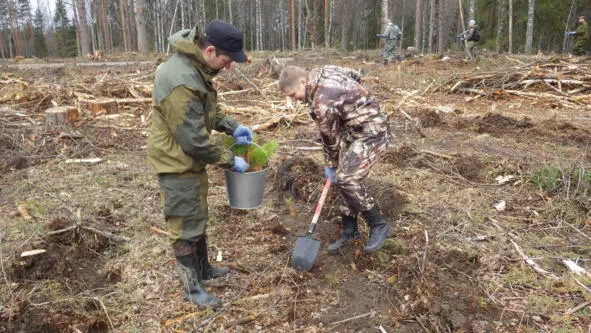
(325, 189)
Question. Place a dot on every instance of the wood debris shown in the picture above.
(563, 82)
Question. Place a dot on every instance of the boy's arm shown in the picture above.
(329, 124)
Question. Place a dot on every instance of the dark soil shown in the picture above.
(493, 122)
(71, 267)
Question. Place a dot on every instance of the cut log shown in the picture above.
(59, 117)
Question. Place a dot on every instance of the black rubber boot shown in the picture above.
(209, 272)
(189, 268)
(385, 62)
(399, 58)
(379, 230)
(350, 232)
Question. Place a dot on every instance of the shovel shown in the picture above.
(306, 248)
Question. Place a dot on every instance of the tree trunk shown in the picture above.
(330, 19)
(432, 23)
(300, 30)
(529, 34)
(326, 32)
(510, 26)
(142, 33)
(123, 30)
(418, 25)
(441, 22)
(425, 24)
(501, 6)
(230, 12)
(77, 27)
(59, 117)
(14, 30)
(472, 10)
(84, 41)
(384, 14)
(292, 23)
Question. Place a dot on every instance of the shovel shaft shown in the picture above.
(325, 189)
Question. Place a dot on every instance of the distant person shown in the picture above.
(185, 111)
(472, 37)
(392, 35)
(581, 37)
(355, 133)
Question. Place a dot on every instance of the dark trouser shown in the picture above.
(184, 198)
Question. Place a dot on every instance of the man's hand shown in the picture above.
(240, 164)
(329, 173)
(243, 135)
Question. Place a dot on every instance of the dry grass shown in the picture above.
(466, 276)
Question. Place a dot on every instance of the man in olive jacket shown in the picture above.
(185, 111)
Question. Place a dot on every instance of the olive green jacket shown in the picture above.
(185, 111)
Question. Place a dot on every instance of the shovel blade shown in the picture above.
(305, 253)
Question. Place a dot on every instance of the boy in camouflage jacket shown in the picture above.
(355, 134)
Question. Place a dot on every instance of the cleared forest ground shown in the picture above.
(489, 194)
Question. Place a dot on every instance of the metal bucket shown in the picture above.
(245, 189)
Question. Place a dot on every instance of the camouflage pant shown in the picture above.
(470, 49)
(184, 199)
(390, 49)
(579, 47)
(355, 161)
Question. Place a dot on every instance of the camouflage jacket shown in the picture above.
(392, 32)
(343, 109)
(185, 111)
(582, 31)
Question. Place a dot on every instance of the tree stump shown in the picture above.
(59, 117)
(100, 106)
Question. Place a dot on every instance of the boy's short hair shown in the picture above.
(290, 76)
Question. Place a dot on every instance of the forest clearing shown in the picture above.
(487, 184)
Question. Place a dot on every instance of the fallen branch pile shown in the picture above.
(562, 82)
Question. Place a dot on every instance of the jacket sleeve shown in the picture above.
(186, 118)
(329, 124)
(224, 123)
(470, 33)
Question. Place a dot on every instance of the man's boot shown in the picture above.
(385, 62)
(379, 230)
(399, 58)
(189, 267)
(350, 233)
(209, 272)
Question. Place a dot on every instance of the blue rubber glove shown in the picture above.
(329, 173)
(572, 32)
(243, 136)
(240, 164)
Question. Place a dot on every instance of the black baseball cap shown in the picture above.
(226, 37)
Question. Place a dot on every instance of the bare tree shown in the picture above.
(292, 23)
(418, 24)
(501, 7)
(326, 31)
(529, 33)
(83, 28)
(472, 10)
(123, 30)
(432, 23)
(142, 32)
(440, 24)
(230, 2)
(384, 14)
(510, 26)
